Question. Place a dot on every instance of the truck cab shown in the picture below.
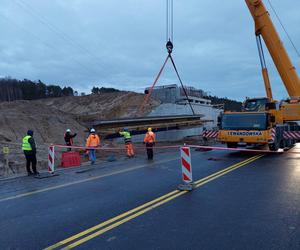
(245, 128)
(258, 104)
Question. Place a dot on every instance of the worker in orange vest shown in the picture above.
(92, 142)
(149, 140)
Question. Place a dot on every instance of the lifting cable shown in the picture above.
(285, 30)
(169, 47)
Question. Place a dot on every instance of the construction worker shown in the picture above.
(92, 142)
(150, 142)
(128, 142)
(29, 149)
(69, 138)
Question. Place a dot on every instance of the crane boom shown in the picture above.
(264, 27)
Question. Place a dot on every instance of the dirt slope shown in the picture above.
(49, 118)
(48, 123)
(101, 106)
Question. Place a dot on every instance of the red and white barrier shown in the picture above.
(291, 135)
(51, 156)
(185, 155)
(273, 134)
(210, 133)
(186, 167)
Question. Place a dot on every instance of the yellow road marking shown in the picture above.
(105, 223)
(229, 170)
(143, 208)
(226, 169)
(91, 236)
(82, 181)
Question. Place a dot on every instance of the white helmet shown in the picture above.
(93, 130)
(68, 130)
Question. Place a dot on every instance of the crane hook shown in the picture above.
(169, 46)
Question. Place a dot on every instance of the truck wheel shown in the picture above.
(231, 144)
(283, 144)
(274, 146)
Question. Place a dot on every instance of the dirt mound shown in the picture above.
(49, 118)
(101, 106)
(47, 123)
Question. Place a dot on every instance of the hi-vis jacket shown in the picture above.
(26, 145)
(93, 141)
(149, 137)
(127, 136)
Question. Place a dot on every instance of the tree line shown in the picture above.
(13, 89)
(103, 90)
(229, 105)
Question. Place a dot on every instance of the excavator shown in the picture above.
(265, 121)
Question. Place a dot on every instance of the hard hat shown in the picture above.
(149, 129)
(125, 129)
(30, 132)
(68, 130)
(93, 130)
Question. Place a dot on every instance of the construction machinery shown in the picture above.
(265, 121)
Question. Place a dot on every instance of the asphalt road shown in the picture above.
(241, 201)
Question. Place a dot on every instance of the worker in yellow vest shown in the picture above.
(29, 149)
(128, 142)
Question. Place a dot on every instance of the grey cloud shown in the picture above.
(121, 43)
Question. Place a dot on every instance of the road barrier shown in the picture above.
(273, 134)
(51, 157)
(291, 135)
(186, 167)
(210, 133)
(52, 151)
(183, 150)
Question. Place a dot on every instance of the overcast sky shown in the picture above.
(121, 44)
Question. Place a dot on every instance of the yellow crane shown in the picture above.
(265, 120)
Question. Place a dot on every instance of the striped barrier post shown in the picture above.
(210, 133)
(291, 135)
(186, 167)
(273, 135)
(51, 159)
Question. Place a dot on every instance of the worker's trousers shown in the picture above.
(129, 149)
(30, 160)
(92, 154)
(149, 148)
(69, 144)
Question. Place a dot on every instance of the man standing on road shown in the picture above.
(128, 143)
(69, 138)
(150, 142)
(29, 149)
(92, 142)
